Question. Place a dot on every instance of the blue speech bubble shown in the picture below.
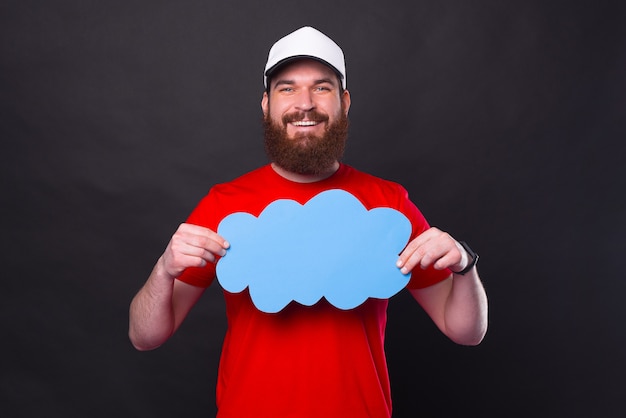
(331, 247)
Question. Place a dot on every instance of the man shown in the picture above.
(318, 360)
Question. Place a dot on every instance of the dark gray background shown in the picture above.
(503, 119)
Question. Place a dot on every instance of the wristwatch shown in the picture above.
(472, 255)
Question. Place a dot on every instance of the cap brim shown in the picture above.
(274, 68)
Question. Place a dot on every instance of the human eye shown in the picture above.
(322, 88)
(285, 89)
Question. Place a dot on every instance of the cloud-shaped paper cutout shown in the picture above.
(331, 247)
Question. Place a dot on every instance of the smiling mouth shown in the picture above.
(305, 119)
(304, 123)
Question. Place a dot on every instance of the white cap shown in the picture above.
(306, 42)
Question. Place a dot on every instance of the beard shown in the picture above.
(304, 153)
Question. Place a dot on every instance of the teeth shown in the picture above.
(305, 123)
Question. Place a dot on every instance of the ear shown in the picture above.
(345, 99)
(265, 103)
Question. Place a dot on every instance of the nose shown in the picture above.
(305, 101)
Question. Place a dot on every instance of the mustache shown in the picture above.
(312, 115)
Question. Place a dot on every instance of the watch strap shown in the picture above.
(472, 255)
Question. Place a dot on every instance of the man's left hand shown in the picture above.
(434, 248)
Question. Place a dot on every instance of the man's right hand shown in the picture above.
(192, 246)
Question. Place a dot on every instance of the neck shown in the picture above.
(305, 178)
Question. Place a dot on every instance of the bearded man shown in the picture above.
(307, 360)
(307, 149)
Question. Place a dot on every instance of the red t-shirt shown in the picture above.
(317, 361)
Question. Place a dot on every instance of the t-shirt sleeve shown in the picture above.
(420, 278)
(202, 215)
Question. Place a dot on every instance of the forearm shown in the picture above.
(465, 312)
(151, 317)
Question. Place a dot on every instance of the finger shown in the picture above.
(409, 258)
(194, 252)
(414, 252)
(176, 262)
(204, 243)
(449, 259)
(201, 237)
(192, 246)
(432, 248)
(424, 257)
(211, 237)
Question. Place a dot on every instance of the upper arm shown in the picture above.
(184, 298)
(433, 300)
